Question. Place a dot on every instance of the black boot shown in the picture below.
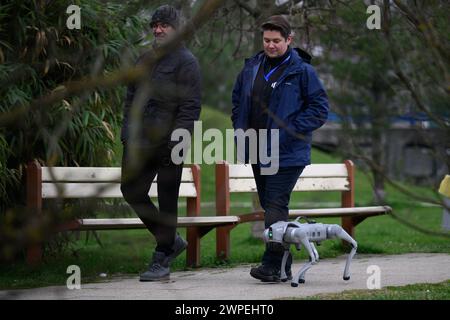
(269, 270)
(266, 273)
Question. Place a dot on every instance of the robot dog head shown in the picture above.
(276, 232)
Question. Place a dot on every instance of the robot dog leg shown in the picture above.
(336, 231)
(307, 233)
(284, 261)
(300, 278)
(301, 236)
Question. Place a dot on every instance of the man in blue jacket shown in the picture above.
(279, 90)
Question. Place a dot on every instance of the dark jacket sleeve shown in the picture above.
(315, 113)
(129, 97)
(126, 111)
(236, 98)
(189, 97)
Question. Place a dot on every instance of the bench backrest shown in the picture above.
(96, 182)
(316, 177)
(235, 178)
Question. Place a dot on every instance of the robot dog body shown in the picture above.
(282, 235)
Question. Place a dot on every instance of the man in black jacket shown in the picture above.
(168, 99)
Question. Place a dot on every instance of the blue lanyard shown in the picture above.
(267, 76)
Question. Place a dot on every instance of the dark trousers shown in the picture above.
(137, 178)
(274, 192)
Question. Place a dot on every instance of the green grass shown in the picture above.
(423, 291)
(128, 251)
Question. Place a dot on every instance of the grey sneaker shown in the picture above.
(178, 247)
(158, 269)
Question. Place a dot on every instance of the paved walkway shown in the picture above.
(236, 283)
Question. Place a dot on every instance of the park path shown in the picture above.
(236, 283)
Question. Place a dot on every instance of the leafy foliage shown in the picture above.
(39, 55)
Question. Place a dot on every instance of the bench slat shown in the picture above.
(135, 223)
(104, 190)
(312, 171)
(339, 212)
(93, 174)
(303, 184)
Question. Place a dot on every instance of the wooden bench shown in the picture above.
(100, 182)
(239, 178)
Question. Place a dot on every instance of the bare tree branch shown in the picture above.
(398, 70)
(425, 28)
(254, 12)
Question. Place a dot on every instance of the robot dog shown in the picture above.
(282, 234)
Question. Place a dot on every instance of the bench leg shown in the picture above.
(223, 243)
(193, 249)
(34, 208)
(349, 226)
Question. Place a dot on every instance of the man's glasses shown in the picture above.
(160, 25)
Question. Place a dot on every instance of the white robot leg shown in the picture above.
(300, 276)
(336, 231)
(283, 276)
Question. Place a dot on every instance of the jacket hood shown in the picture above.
(306, 57)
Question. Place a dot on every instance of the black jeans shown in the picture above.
(137, 178)
(274, 192)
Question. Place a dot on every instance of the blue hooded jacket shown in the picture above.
(298, 105)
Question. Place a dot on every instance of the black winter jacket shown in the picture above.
(172, 100)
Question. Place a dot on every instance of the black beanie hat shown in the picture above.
(166, 14)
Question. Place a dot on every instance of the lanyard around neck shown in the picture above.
(267, 76)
